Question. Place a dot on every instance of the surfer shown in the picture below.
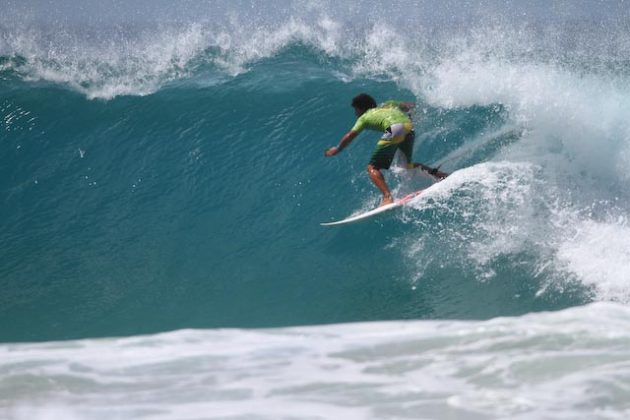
(391, 119)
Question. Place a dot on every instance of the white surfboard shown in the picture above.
(398, 203)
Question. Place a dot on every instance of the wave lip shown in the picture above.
(113, 65)
(110, 61)
(126, 56)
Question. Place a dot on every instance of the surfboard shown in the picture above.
(356, 218)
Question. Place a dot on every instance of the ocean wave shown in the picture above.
(196, 181)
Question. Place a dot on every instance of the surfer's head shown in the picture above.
(362, 102)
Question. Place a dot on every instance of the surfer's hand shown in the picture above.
(332, 151)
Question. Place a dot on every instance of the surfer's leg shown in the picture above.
(379, 180)
(382, 157)
(406, 148)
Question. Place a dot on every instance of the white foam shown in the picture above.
(598, 254)
(572, 363)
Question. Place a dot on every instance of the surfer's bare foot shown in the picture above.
(386, 200)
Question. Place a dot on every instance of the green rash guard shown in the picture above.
(378, 119)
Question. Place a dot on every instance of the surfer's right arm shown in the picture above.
(345, 141)
(403, 106)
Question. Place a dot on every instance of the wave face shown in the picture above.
(544, 365)
(162, 163)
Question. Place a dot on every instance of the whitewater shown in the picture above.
(561, 365)
(162, 185)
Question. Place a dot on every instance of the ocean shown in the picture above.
(163, 181)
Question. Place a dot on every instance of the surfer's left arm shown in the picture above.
(345, 141)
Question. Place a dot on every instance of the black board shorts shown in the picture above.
(385, 150)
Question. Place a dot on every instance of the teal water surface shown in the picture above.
(177, 180)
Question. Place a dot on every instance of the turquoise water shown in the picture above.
(200, 207)
(164, 172)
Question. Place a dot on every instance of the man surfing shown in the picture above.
(391, 119)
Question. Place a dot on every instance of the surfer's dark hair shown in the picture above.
(363, 101)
